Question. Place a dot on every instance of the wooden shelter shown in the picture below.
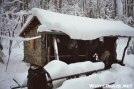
(42, 50)
(53, 43)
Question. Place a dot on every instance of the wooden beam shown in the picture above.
(67, 56)
(52, 32)
(55, 48)
(48, 53)
(48, 47)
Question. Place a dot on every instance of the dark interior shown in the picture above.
(64, 51)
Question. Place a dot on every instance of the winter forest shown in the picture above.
(14, 13)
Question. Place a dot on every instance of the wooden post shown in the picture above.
(48, 53)
(47, 47)
(125, 51)
(55, 48)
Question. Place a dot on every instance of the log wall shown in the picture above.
(37, 54)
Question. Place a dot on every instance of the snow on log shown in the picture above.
(81, 67)
(57, 69)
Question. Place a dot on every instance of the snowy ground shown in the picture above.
(16, 65)
(121, 74)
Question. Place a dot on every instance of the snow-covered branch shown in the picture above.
(14, 2)
(20, 38)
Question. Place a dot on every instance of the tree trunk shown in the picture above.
(60, 6)
(125, 50)
(133, 8)
(115, 11)
(56, 5)
(119, 8)
(126, 8)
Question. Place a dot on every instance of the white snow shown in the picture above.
(61, 70)
(106, 77)
(81, 67)
(84, 28)
(120, 47)
(21, 78)
(83, 82)
(55, 70)
(17, 69)
(123, 75)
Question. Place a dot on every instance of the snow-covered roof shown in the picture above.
(24, 25)
(80, 27)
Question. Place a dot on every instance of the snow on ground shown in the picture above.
(16, 65)
(120, 47)
(120, 74)
(129, 61)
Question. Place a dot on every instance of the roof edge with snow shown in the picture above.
(80, 27)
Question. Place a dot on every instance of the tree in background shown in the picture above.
(14, 13)
(11, 18)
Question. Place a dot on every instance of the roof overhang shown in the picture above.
(31, 22)
(77, 27)
(80, 27)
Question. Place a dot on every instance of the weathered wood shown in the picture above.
(125, 50)
(38, 55)
(110, 44)
(67, 56)
(48, 54)
(52, 32)
(46, 41)
(29, 27)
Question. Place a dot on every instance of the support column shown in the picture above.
(55, 48)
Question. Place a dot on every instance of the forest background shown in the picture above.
(14, 13)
